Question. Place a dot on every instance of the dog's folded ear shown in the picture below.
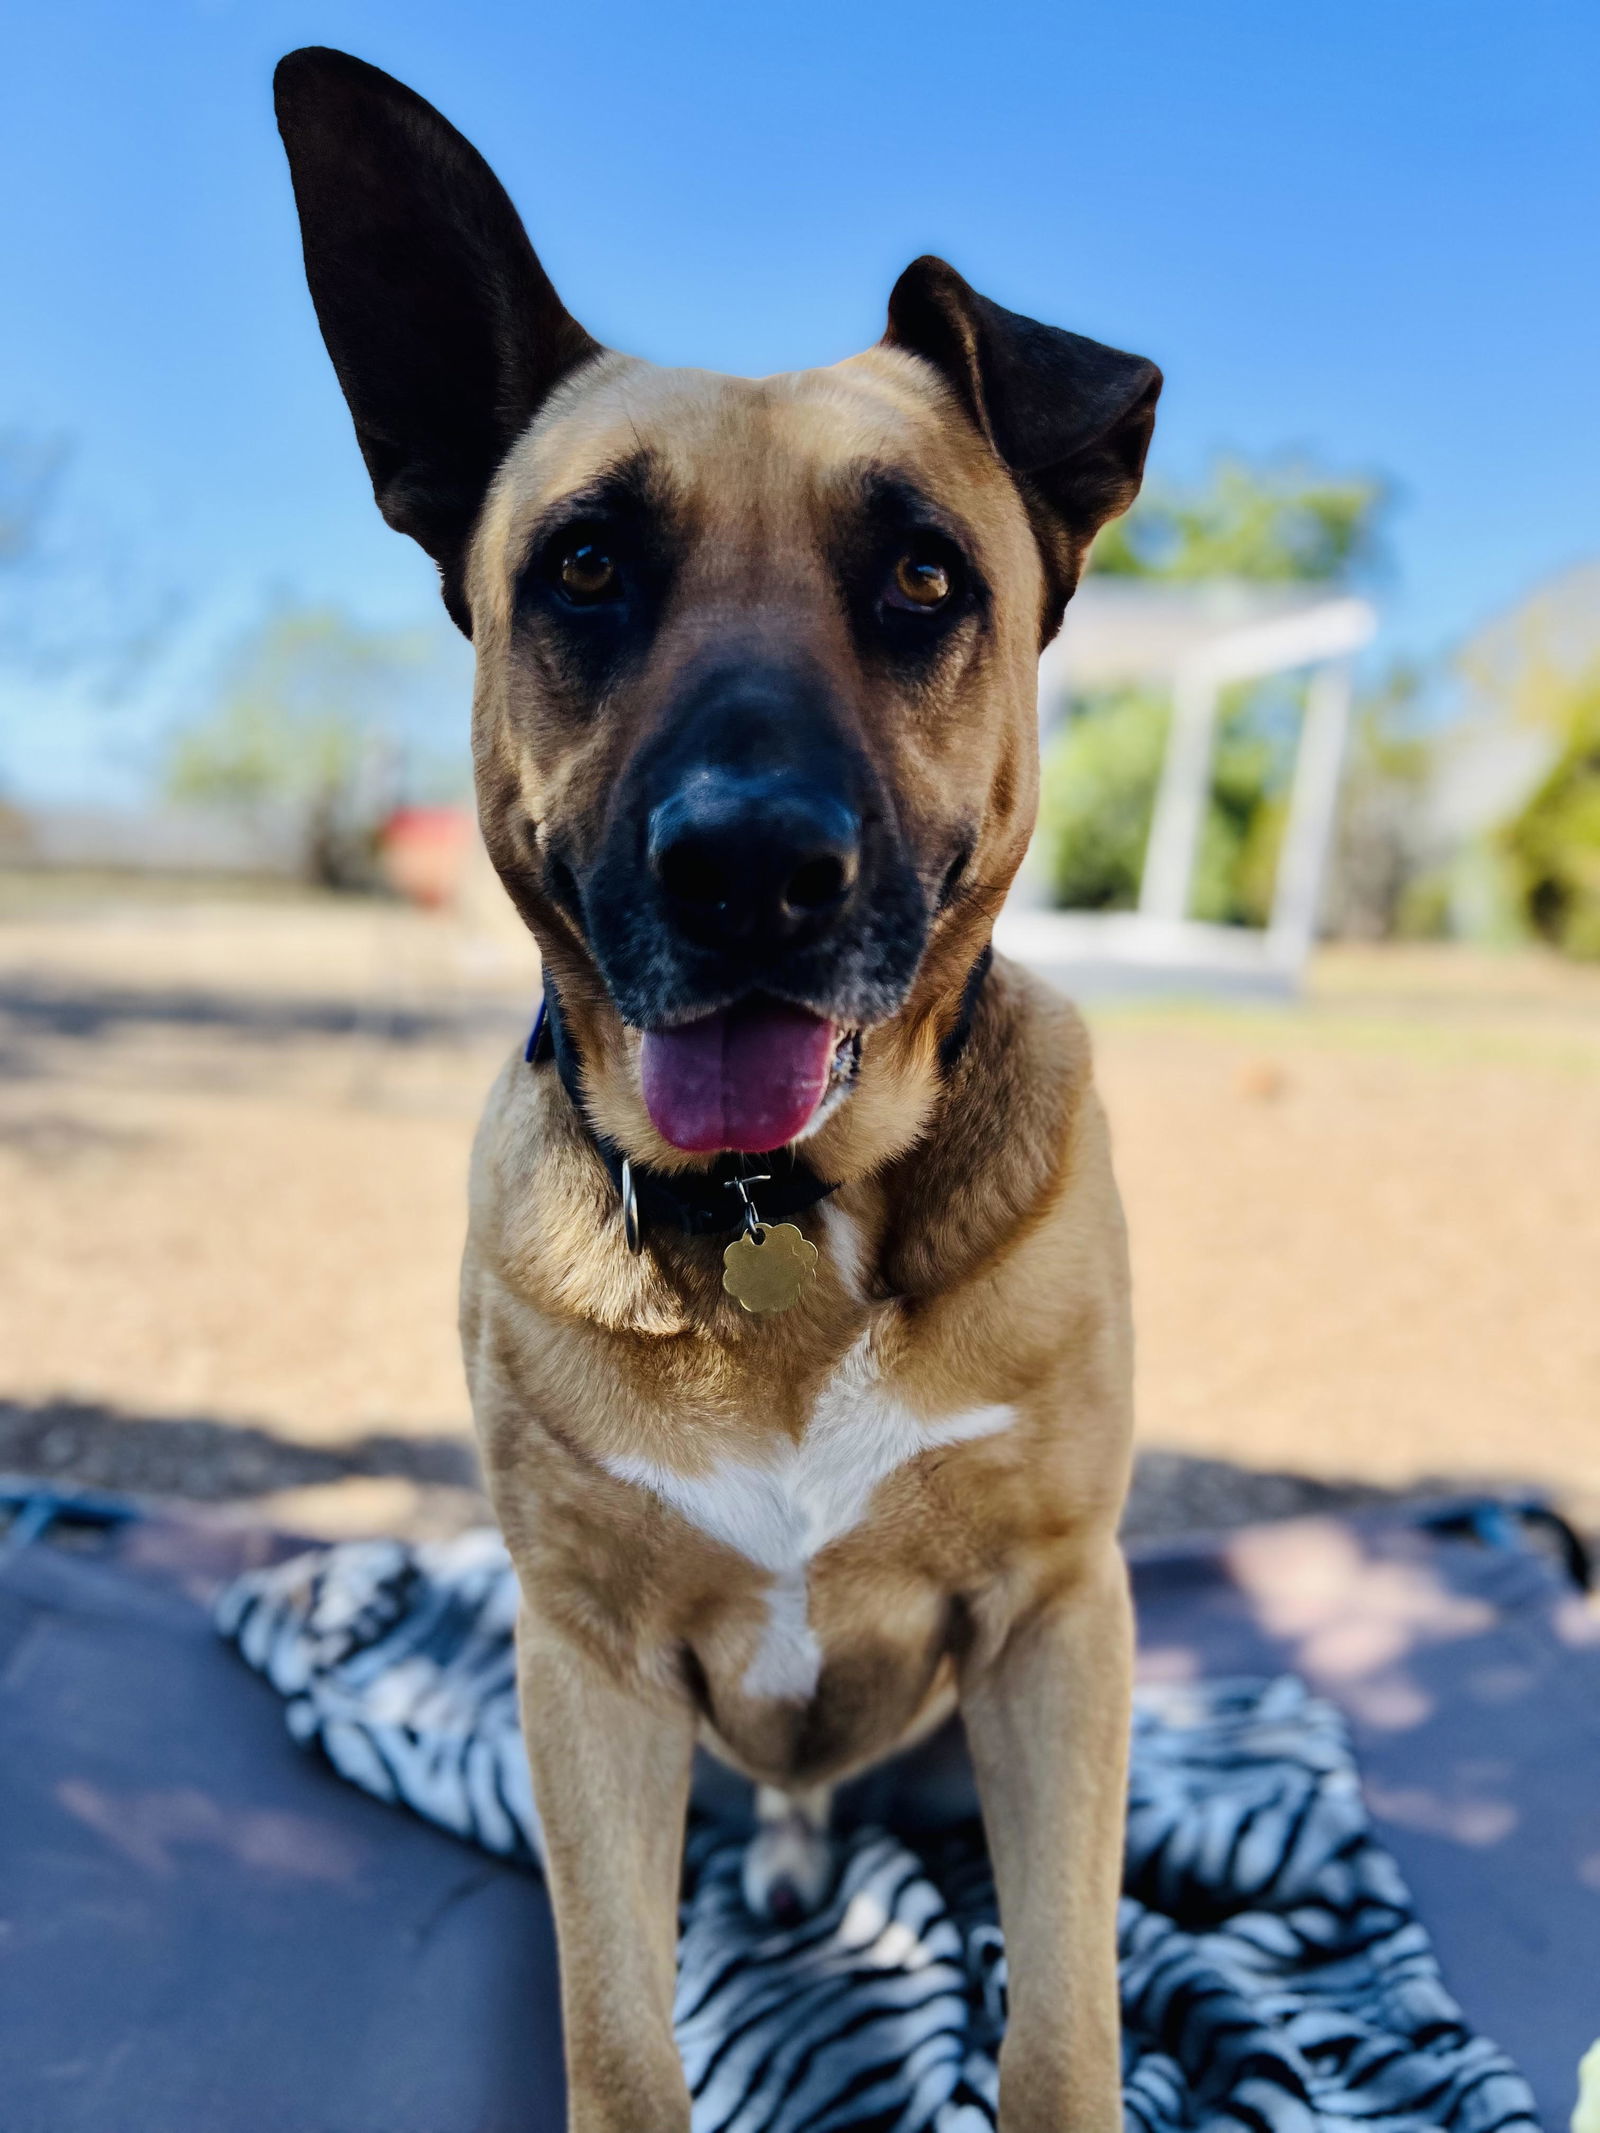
(1071, 418)
(443, 327)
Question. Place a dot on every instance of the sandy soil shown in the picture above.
(1366, 1234)
(232, 1142)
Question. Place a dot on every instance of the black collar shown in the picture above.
(703, 1203)
(700, 1203)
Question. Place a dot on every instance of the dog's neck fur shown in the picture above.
(904, 1065)
(894, 1232)
(693, 1198)
(698, 1202)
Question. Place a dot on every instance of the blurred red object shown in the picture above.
(424, 853)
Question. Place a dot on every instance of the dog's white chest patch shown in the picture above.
(781, 1513)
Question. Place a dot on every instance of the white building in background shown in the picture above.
(1195, 641)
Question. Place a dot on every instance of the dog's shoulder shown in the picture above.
(1017, 1120)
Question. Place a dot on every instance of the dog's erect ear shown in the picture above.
(1071, 418)
(441, 323)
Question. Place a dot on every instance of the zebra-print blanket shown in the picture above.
(1274, 1977)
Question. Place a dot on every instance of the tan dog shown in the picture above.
(756, 755)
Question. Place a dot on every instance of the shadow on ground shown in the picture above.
(1175, 1493)
(208, 1461)
(45, 1008)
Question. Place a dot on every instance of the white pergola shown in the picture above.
(1195, 641)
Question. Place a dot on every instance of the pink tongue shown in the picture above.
(748, 1078)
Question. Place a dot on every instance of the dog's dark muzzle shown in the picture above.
(760, 863)
(751, 847)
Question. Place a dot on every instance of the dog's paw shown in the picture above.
(788, 1870)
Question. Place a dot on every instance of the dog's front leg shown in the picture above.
(1047, 1721)
(611, 1777)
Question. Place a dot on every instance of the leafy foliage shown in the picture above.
(1098, 794)
(1274, 525)
(1553, 844)
(302, 728)
(1281, 524)
(1378, 887)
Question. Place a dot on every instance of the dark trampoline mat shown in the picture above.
(202, 1927)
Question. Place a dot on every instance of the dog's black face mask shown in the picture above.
(754, 884)
(752, 848)
(753, 837)
(752, 876)
(755, 728)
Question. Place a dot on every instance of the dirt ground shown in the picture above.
(233, 1132)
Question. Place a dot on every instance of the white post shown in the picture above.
(1313, 806)
(1185, 788)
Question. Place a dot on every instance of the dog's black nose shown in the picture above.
(754, 860)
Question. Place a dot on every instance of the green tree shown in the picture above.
(1528, 848)
(1283, 523)
(1378, 887)
(303, 730)
(1098, 795)
(1553, 843)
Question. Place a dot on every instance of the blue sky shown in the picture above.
(1369, 231)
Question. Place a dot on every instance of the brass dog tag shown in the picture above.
(766, 1269)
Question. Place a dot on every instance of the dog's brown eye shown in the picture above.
(585, 572)
(920, 579)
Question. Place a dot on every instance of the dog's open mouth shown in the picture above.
(749, 1078)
